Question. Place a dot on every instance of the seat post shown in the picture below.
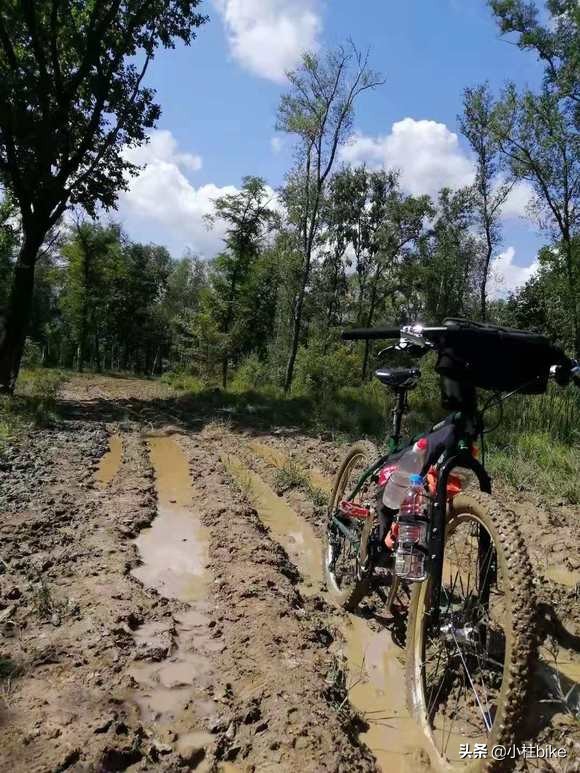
(397, 414)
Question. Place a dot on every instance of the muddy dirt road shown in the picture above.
(162, 605)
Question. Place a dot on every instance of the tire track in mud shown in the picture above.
(375, 676)
(275, 692)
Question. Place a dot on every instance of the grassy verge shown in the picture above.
(32, 405)
(535, 447)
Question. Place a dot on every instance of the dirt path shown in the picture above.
(162, 606)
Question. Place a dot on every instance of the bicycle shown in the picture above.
(470, 637)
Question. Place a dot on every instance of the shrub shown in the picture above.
(183, 381)
(32, 355)
(321, 371)
(252, 374)
(39, 388)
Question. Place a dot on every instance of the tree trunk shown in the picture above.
(484, 278)
(370, 322)
(18, 313)
(296, 325)
(97, 353)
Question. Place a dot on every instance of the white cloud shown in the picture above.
(162, 146)
(518, 200)
(267, 37)
(505, 276)
(427, 154)
(163, 204)
(276, 144)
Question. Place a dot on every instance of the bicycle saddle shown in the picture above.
(399, 378)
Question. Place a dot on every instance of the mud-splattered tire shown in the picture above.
(520, 637)
(348, 596)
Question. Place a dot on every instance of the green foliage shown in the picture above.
(69, 69)
(38, 391)
(321, 370)
(252, 373)
(290, 475)
(183, 382)
(534, 461)
(32, 355)
(33, 405)
(9, 239)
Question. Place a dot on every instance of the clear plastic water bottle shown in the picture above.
(411, 556)
(411, 463)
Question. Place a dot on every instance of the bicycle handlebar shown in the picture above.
(568, 372)
(370, 333)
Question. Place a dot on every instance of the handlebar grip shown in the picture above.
(370, 333)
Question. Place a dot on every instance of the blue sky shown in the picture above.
(219, 99)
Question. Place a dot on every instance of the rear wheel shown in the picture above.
(345, 561)
(467, 680)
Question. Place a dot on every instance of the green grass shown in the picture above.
(32, 405)
(536, 446)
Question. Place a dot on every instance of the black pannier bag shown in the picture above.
(495, 358)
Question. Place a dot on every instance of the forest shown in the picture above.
(335, 245)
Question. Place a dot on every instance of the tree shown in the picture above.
(557, 44)
(449, 257)
(538, 304)
(71, 98)
(491, 191)
(83, 297)
(384, 223)
(318, 109)
(9, 238)
(538, 136)
(539, 133)
(248, 216)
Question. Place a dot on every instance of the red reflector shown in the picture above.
(353, 510)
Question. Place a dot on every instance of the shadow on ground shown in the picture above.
(242, 410)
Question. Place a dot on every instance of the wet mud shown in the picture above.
(375, 675)
(110, 462)
(162, 606)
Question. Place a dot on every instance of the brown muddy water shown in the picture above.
(174, 549)
(295, 535)
(174, 555)
(110, 462)
(376, 679)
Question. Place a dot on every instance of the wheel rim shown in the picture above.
(460, 668)
(342, 554)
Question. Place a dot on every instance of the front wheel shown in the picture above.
(345, 560)
(467, 677)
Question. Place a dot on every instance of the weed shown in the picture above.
(47, 607)
(9, 671)
(290, 475)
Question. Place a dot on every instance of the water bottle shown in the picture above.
(411, 556)
(411, 463)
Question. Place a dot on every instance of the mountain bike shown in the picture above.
(470, 633)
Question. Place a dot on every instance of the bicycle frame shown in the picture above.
(457, 457)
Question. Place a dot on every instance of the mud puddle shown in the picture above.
(377, 692)
(294, 534)
(110, 462)
(174, 672)
(174, 550)
(376, 678)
